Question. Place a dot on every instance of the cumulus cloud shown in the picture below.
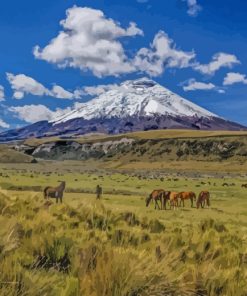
(162, 54)
(2, 96)
(98, 89)
(60, 93)
(192, 85)
(219, 60)
(23, 85)
(4, 124)
(232, 78)
(34, 113)
(89, 41)
(193, 7)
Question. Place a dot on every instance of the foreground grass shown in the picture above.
(117, 246)
(106, 248)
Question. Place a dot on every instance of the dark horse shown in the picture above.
(55, 192)
(203, 198)
(159, 196)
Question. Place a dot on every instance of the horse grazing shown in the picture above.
(173, 197)
(187, 195)
(244, 185)
(156, 196)
(55, 192)
(203, 198)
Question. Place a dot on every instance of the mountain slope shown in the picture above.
(137, 105)
(139, 98)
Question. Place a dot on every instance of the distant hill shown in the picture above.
(163, 146)
(9, 155)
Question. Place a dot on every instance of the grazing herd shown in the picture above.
(161, 197)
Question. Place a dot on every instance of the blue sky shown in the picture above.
(195, 48)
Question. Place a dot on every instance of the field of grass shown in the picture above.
(117, 246)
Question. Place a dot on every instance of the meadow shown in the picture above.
(118, 246)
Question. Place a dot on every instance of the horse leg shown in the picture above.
(183, 203)
(165, 203)
(157, 205)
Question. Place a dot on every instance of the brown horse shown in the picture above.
(204, 197)
(156, 196)
(173, 197)
(55, 192)
(244, 185)
(187, 195)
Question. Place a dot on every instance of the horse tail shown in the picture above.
(45, 192)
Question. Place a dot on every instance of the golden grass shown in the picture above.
(89, 249)
(117, 246)
(155, 134)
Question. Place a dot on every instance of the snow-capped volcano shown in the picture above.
(142, 97)
(136, 105)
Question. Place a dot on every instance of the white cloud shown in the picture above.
(99, 89)
(2, 96)
(142, 1)
(193, 7)
(192, 85)
(162, 54)
(32, 113)
(219, 60)
(89, 41)
(232, 78)
(4, 124)
(59, 92)
(23, 85)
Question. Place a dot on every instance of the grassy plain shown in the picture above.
(117, 246)
(144, 135)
